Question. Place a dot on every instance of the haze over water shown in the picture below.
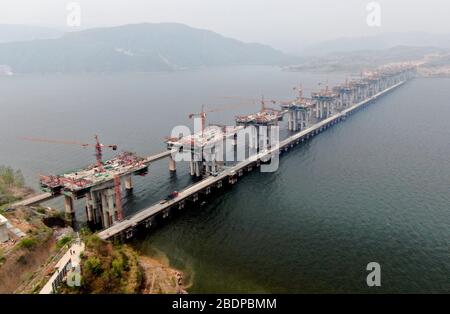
(373, 188)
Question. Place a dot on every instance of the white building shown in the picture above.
(3, 229)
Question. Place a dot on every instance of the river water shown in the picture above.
(372, 189)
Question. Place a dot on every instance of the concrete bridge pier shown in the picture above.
(198, 168)
(107, 206)
(306, 118)
(196, 164)
(301, 120)
(68, 206)
(111, 206)
(94, 205)
(289, 115)
(89, 207)
(349, 100)
(105, 212)
(172, 164)
(97, 208)
(318, 113)
(214, 168)
(353, 99)
(295, 119)
(128, 183)
(211, 164)
(192, 164)
(254, 140)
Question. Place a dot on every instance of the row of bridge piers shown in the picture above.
(303, 111)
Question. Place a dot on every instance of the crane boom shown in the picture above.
(37, 139)
(98, 146)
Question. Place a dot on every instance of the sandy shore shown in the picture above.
(159, 278)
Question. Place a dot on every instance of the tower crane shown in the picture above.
(202, 114)
(299, 89)
(97, 145)
(252, 101)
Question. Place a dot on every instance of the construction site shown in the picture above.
(102, 184)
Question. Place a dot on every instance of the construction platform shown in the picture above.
(209, 136)
(77, 183)
(263, 117)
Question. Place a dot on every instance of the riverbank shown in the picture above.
(26, 259)
(12, 187)
(117, 268)
(34, 235)
(160, 278)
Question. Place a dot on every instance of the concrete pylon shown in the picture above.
(128, 183)
(111, 206)
(294, 121)
(68, 205)
(105, 213)
(290, 120)
(172, 164)
(96, 201)
(198, 168)
(89, 207)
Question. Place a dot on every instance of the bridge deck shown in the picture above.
(156, 157)
(36, 199)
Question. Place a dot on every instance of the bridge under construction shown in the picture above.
(101, 184)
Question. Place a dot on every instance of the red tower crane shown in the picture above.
(98, 146)
(202, 115)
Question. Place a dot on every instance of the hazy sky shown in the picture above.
(284, 24)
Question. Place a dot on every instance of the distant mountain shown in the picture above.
(9, 33)
(355, 61)
(380, 42)
(136, 47)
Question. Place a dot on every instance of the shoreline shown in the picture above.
(159, 278)
(159, 274)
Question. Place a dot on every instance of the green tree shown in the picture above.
(117, 267)
(28, 243)
(7, 176)
(94, 265)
